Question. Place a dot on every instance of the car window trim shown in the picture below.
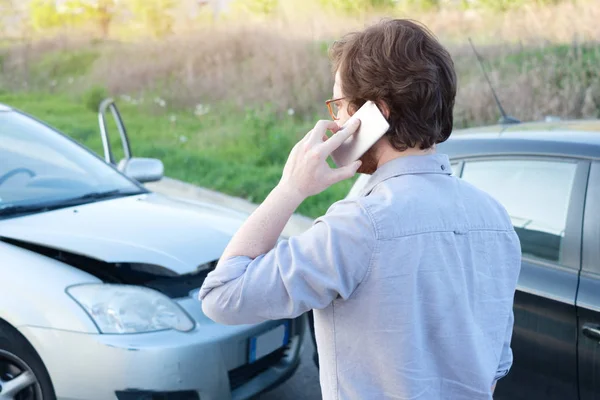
(572, 240)
(590, 266)
(459, 168)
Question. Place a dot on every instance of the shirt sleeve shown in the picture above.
(506, 358)
(306, 272)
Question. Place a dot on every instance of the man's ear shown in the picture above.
(385, 110)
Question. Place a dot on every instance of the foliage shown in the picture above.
(424, 5)
(93, 97)
(155, 15)
(48, 14)
(102, 12)
(358, 6)
(65, 64)
(228, 103)
(44, 14)
(505, 5)
(262, 7)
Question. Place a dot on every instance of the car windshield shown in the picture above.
(41, 167)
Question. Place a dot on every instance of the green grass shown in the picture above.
(241, 155)
(66, 64)
(587, 53)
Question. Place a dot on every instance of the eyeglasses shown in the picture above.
(333, 107)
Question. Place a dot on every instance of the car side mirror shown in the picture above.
(143, 170)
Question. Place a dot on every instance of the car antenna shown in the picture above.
(504, 119)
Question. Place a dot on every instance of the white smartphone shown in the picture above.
(372, 127)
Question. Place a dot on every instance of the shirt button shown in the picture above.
(443, 167)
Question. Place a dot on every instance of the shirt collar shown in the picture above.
(409, 165)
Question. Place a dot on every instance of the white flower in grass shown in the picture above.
(183, 139)
(173, 118)
(201, 110)
(291, 112)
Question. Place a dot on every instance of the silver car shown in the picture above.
(99, 281)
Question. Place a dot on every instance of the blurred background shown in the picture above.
(221, 90)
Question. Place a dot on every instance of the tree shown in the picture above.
(262, 7)
(6, 11)
(358, 6)
(103, 12)
(155, 15)
(44, 14)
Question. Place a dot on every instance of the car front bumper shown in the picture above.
(207, 363)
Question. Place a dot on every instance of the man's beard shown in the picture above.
(369, 162)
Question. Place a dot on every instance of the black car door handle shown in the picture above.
(592, 331)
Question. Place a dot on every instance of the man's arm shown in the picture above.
(306, 173)
(306, 272)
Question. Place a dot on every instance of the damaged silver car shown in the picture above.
(100, 276)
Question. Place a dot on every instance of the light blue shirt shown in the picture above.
(412, 283)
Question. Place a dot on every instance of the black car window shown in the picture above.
(535, 193)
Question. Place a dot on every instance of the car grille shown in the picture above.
(243, 374)
(179, 286)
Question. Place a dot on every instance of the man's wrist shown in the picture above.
(289, 193)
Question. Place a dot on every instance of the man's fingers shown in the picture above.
(346, 172)
(321, 128)
(340, 137)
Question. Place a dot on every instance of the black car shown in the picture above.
(547, 175)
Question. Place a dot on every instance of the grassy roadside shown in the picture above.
(237, 154)
(223, 104)
(239, 146)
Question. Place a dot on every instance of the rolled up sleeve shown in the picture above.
(506, 358)
(305, 272)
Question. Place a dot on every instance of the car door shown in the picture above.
(588, 298)
(544, 198)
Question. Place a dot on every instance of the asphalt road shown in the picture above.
(305, 382)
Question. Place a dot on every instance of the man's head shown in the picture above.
(402, 67)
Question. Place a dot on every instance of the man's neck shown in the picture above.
(388, 154)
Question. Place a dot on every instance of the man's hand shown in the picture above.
(306, 171)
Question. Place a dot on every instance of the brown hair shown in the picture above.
(400, 63)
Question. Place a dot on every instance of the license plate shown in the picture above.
(267, 342)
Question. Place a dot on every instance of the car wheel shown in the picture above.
(22, 372)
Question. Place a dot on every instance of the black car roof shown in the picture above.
(578, 138)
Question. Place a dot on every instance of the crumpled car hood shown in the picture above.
(149, 228)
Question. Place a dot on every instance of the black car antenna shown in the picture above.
(504, 119)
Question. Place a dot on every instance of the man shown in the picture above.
(412, 281)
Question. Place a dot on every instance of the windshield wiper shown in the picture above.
(15, 209)
(11, 210)
(95, 196)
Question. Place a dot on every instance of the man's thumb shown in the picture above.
(347, 171)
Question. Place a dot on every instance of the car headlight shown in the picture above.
(130, 309)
